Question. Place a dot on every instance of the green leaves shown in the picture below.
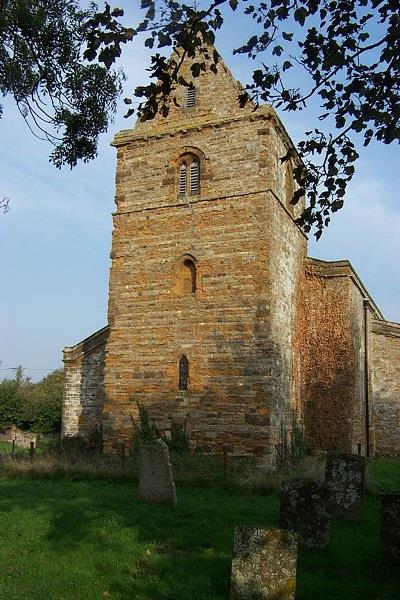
(346, 55)
(336, 57)
(33, 406)
(300, 15)
(43, 65)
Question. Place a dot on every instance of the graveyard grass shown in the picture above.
(5, 447)
(84, 539)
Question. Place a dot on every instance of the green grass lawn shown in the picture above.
(6, 447)
(64, 539)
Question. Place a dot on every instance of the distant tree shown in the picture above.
(62, 97)
(42, 404)
(32, 406)
(11, 402)
(347, 56)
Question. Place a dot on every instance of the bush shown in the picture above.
(10, 404)
(32, 406)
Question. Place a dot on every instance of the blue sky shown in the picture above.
(55, 241)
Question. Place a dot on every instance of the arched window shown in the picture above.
(189, 175)
(189, 276)
(183, 380)
(185, 280)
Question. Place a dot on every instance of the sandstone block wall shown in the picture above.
(21, 438)
(83, 386)
(330, 333)
(385, 386)
(240, 235)
(217, 278)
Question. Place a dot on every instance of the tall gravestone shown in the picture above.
(390, 527)
(156, 482)
(264, 564)
(344, 476)
(304, 510)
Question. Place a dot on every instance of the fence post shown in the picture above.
(13, 447)
(32, 451)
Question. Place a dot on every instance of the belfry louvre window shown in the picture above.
(189, 176)
(194, 177)
(182, 178)
(191, 97)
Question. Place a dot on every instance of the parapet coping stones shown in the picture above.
(264, 564)
(156, 482)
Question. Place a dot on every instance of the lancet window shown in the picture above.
(183, 381)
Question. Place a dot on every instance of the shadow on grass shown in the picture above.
(146, 552)
(116, 546)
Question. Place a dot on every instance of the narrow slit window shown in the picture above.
(191, 97)
(183, 373)
(194, 177)
(182, 178)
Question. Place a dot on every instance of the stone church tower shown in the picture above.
(216, 318)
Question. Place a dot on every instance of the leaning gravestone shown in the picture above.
(264, 564)
(390, 527)
(344, 476)
(304, 510)
(156, 483)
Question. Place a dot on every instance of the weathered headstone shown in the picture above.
(304, 510)
(264, 564)
(156, 483)
(390, 527)
(344, 476)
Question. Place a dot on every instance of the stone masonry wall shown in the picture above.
(269, 335)
(330, 338)
(83, 386)
(385, 386)
(288, 249)
(21, 438)
(239, 359)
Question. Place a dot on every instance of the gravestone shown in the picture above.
(390, 527)
(263, 564)
(344, 476)
(304, 510)
(156, 483)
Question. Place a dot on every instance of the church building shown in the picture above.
(218, 321)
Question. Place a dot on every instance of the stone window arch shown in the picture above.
(186, 275)
(183, 373)
(188, 175)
